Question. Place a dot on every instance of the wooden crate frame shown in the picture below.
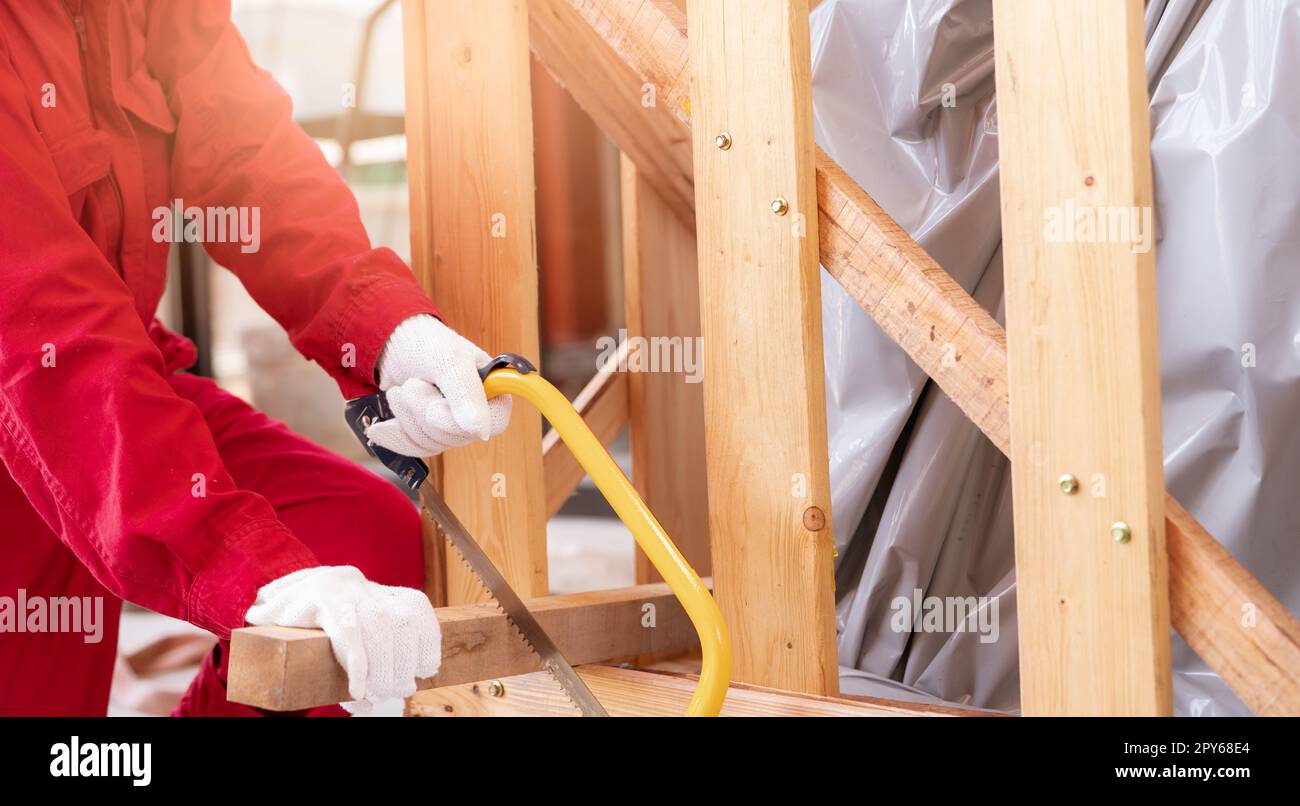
(1096, 640)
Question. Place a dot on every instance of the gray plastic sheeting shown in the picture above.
(904, 101)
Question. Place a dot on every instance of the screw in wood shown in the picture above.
(780, 206)
(723, 141)
(1068, 484)
(1119, 532)
(814, 519)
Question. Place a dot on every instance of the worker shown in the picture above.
(127, 478)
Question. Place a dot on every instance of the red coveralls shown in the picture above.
(157, 100)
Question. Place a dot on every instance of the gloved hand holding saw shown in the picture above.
(385, 637)
(429, 373)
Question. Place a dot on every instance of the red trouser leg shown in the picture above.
(343, 512)
(51, 673)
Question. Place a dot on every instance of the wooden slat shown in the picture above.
(287, 669)
(661, 296)
(419, 179)
(941, 328)
(1092, 614)
(628, 108)
(603, 403)
(1227, 618)
(760, 312)
(635, 692)
(483, 268)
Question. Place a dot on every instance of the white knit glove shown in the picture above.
(383, 637)
(430, 374)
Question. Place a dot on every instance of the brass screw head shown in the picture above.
(723, 141)
(1119, 532)
(1068, 484)
(780, 206)
(496, 688)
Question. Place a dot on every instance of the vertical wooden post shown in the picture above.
(418, 178)
(661, 296)
(1093, 611)
(471, 163)
(760, 307)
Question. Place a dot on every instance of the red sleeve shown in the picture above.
(237, 144)
(90, 429)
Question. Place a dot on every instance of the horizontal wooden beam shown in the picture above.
(637, 692)
(288, 669)
(940, 326)
(603, 403)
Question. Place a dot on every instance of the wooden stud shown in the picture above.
(662, 300)
(1093, 612)
(288, 669)
(476, 203)
(760, 310)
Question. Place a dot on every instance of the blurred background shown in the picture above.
(341, 63)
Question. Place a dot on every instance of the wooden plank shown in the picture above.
(629, 108)
(636, 692)
(661, 296)
(483, 268)
(1227, 618)
(419, 187)
(1093, 613)
(603, 403)
(288, 669)
(954, 341)
(760, 312)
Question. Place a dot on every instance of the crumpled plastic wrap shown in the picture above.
(904, 101)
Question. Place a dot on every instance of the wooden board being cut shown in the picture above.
(288, 669)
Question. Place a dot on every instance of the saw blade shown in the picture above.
(510, 605)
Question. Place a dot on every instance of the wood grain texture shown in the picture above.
(288, 669)
(625, 105)
(936, 321)
(603, 403)
(1093, 614)
(913, 299)
(661, 296)
(478, 209)
(1227, 618)
(636, 692)
(760, 313)
(419, 188)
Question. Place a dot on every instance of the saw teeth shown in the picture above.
(522, 637)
